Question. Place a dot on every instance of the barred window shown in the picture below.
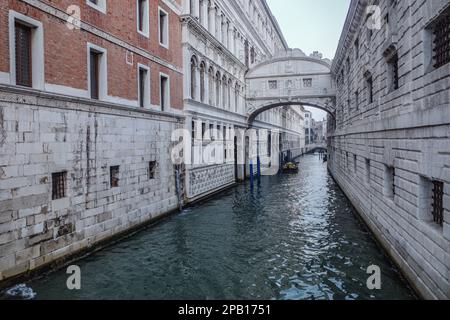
(438, 203)
(23, 55)
(59, 182)
(441, 41)
(273, 85)
(393, 72)
(114, 176)
(389, 182)
(152, 170)
(307, 83)
(369, 83)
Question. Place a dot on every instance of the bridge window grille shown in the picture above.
(59, 182)
(273, 85)
(307, 83)
(114, 176)
(438, 207)
(442, 41)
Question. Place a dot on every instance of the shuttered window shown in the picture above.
(94, 74)
(23, 55)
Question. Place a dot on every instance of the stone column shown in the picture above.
(205, 12)
(212, 18)
(219, 93)
(189, 154)
(225, 32)
(206, 86)
(231, 39)
(195, 6)
(219, 26)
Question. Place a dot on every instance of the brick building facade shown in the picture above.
(89, 98)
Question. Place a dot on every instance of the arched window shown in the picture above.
(193, 78)
(211, 85)
(224, 92)
(218, 77)
(202, 81)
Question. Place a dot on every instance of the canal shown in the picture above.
(290, 237)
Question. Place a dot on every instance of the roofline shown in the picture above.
(275, 23)
(353, 16)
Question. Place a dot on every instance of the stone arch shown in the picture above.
(326, 105)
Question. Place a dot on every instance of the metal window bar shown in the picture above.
(152, 170)
(438, 203)
(114, 176)
(393, 182)
(23, 55)
(59, 185)
(442, 42)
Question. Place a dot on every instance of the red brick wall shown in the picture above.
(66, 55)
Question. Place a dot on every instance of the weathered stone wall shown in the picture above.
(406, 130)
(41, 134)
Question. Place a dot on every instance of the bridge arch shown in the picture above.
(290, 78)
(326, 105)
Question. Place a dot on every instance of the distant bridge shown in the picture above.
(312, 148)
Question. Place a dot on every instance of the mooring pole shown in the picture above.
(251, 173)
(258, 160)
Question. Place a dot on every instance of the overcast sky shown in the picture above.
(311, 25)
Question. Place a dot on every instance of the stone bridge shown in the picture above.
(311, 148)
(291, 78)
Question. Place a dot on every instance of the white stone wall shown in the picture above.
(407, 129)
(43, 134)
(218, 40)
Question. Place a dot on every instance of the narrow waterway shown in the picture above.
(291, 237)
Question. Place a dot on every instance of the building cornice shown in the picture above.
(275, 24)
(33, 97)
(355, 13)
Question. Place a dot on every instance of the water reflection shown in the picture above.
(292, 237)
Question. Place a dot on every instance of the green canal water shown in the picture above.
(290, 237)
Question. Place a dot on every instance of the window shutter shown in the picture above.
(23, 55)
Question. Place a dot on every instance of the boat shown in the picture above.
(290, 167)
